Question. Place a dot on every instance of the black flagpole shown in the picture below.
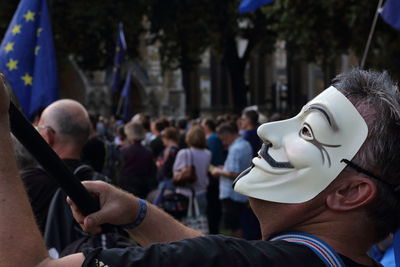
(371, 34)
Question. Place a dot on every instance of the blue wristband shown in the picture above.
(139, 218)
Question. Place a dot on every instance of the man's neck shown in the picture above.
(346, 233)
(208, 133)
(348, 239)
(66, 152)
(249, 127)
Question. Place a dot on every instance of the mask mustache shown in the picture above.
(243, 173)
(273, 163)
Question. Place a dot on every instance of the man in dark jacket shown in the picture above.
(138, 171)
(65, 126)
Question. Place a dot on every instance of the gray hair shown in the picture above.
(377, 99)
(134, 131)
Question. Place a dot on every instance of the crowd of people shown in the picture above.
(324, 185)
(144, 156)
(149, 151)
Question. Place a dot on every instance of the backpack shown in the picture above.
(88, 174)
(112, 161)
(64, 236)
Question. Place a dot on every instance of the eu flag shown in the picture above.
(126, 96)
(391, 13)
(118, 58)
(251, 5)
(27, 56)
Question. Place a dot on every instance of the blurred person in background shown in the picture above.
(238, 159)
(170, 137)
(138, 171)
(249, 124)
(120, 139)
(217, 159)
(94, 151)
(156, 145)
(23, 158)
(199, 156)
(144, 119)
(182, 127)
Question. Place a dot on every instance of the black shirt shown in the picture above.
(41, 187)
(94, 153)
(138, 171)
(214, 250)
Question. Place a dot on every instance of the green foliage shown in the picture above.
(180, 29)
(320, 31)
(317, 31)
(88, 29)
(186, 28)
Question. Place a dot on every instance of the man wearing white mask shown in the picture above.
(325, 187)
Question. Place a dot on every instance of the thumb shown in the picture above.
(94, 220)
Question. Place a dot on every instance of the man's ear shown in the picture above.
(48, 135)
(352, 192)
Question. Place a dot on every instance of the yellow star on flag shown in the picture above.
(37, 48)
(117, 49)
(29, 16)
(27, 79)
(16, 29)
(12, 64)
(38, 32)
(9, 47)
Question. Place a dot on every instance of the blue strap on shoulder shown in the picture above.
(318, 246)
(396, 246)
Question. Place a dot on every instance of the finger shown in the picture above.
(91, 229)
(96, 187)
(95, 219)
(78, 216)
(70, 202)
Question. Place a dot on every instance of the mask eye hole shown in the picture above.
(306, 132)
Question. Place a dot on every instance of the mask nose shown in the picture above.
(273, 133)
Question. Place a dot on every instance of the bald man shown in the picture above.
(65, 126)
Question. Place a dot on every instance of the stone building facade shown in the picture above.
(160, 93)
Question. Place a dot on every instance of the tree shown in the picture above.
(321, 31)
(384, 52)
(186, 28)
(227, 25)
(179, 28)
(315, 31)
(87, 29)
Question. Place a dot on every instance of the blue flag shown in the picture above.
(251, 5)
(27, 56)
(126, 96)
(391, 13)
(120, 49)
